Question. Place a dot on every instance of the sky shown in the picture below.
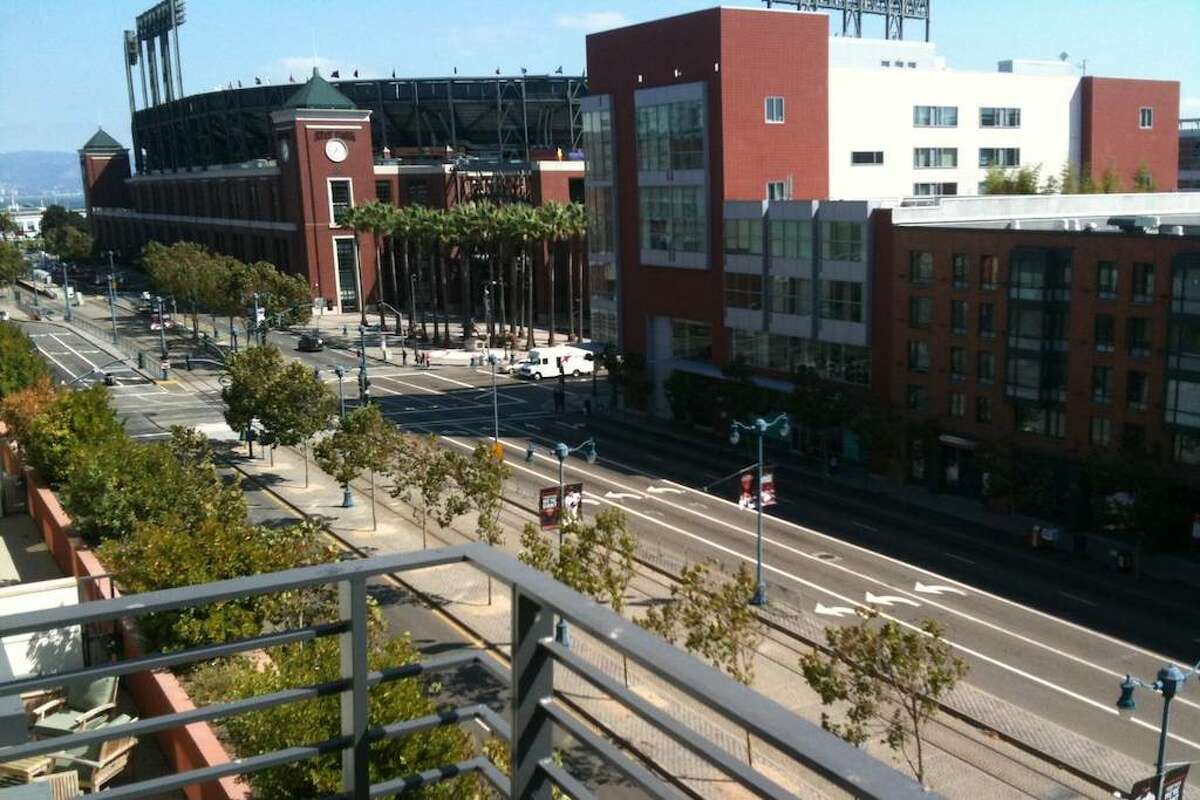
(61, 69)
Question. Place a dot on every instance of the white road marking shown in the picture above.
(959, 558)
(833, 611)
(865, 525)
(587, 501)
(663, 490)
(890, 600)
(622, 496)
(936, 588)
(1077, 599)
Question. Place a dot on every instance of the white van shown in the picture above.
(544, 362)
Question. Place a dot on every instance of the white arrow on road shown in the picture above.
(664, 490)
(833, 611)
(889, 599)
(935, 588)
(621, 496)
(587, 501)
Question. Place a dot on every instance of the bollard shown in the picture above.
(141, 360)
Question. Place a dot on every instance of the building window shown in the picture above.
(742, 237)
(691, 340)
(920, 268)
(1105, 328)
(596, 137)
(791, 296)
(841, 300)
(604, 326)
(1186, 448)
(670, 136)
(985, 367)
(777, 190)
(602, 224)
(1145, 117)
(1042, 421)
(743, 291)
(935, 157)
(958, 364)
(935, 189)
(341, 198)
(1102, 385)
(958, 404)
(1185, 282)
(791, 238)
(383, 192)
(918, 398)
(1107, 276)
(750, 347)
(920, 312)
(673, 218)
(773, 110)
(935, 116)
(842, 241)
(1137, 390)
(1137, 336)
(1100, 432)
(989, 272)
(1143, 283)
(999, 117)
(347, 273)
(418, 192)
(1184, 349)
(918, 356)
(1133, 437)
(860, 158)
(983, 409)
(999, 156)
(958, 269)
(987, 320)
(958, 317)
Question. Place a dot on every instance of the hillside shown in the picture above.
(36, 172)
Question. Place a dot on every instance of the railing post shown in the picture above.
(352, 605)
(533, 682)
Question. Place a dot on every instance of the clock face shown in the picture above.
(285, 151)
(336, 150)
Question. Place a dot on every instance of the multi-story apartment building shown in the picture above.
(1189, 154)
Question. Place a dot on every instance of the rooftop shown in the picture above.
(318, 93)
(101, 142)
(1161, 211)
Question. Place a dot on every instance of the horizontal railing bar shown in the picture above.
(803, 741)
(565, 781)
(498, 724)
(135, 605)
(418, 779)
(647, 780)
(499, 781)
(395, 730)
(720, 758)
(164, 660)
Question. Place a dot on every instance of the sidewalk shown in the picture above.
(998, 769)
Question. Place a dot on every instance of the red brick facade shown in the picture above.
(1113, 134)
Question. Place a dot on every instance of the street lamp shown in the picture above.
(112, 296)
(66, 294)
(1169, 681)
(487, 306)
(341, 374)
(760, 428)
(162, 328)
(364, 383)
(561, 450)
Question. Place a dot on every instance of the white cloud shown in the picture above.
(590, 21)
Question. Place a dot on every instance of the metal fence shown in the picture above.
(537, 711)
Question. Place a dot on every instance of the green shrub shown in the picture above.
(75, 419)
(20, 364)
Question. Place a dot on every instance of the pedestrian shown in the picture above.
(403, 357)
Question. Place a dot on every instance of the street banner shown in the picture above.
(746, 491)
(1146, 788)
(548, 511)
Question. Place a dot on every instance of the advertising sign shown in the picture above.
(1172, 786)
(746, 491)
(548, 511)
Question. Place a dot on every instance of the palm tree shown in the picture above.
(358, 219)
(445, 233)
(376, 219)
(554, 218)
(404, 228)
(425, 235)
(576, 230)
(536, 230)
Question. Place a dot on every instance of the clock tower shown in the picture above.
(326, 166)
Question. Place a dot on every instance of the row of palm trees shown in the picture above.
(435, 246)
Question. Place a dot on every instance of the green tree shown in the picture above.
(252, 375)
(1021, 180)
(298, 406)
(1068, 179)
(185, 271)
(714, 621)
(377, 219)
(554, 227)
(19, 409)
(819, 406)
(482, 479)
(1110, 181)
(595, 559)
(56, 216)
(891, 678)
(1143, 180)
(314, 720)
(69, 243)
(8, 226)
(424, 476)
(76, 419)
(12, 263)
(119, 482)
(363, 442)
(20, 363)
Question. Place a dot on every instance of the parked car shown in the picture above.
(158, 321)
(310, 342)
(548, 362)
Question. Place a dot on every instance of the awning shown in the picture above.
(957, 441)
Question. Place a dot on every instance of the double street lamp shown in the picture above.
(1169, 681)
(560, 451)
(760, 428)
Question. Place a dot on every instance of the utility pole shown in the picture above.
(162, 328)
(66, 294)
(112, 296)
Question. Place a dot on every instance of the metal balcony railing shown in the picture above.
(536, 710)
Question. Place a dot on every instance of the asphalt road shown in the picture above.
(1034, 634)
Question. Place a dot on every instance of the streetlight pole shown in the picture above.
(66, 294)
(364, 383)
(112, 296)
(760, 428)
(562, 631)
(257, 325)
(341, 374)
(162, 328)
(1169, 681)
(487, 305)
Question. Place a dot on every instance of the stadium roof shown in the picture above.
(318, 93)
(102, 141)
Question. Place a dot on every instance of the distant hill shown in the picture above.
(38, 172)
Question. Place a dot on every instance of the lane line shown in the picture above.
(957, 557)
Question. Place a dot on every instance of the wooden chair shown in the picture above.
(63, 785)
(97, 764)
